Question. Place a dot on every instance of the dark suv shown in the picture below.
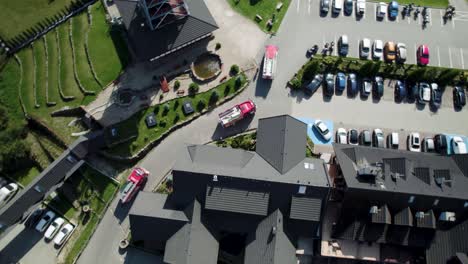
(440, 144)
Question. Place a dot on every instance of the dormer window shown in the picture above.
(302, 189)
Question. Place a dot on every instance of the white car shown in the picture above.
(458, 145)
(341, 136)
(45, 221)
(382, 10)
(322, 129)
(414, 142)
(54, 227)
(377, 49)
(378, 140)
(393, 140)
(63, 234)
(428, 145)
(401, 52)
(364, 48)
(360, 7)
(7, 192)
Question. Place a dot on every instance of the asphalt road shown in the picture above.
(299, 31)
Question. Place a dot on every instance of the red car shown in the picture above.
(236, 113)
(423, 55)
(134, 183)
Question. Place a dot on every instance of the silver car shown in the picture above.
(401, 52)
(364, 48)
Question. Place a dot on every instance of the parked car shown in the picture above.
(34, 217)
(324, 6)
(343, 45)
(440, 144)
(377, 49)
(340, 82)
(458, 146)
(7, 192)
(353, 137)
(323, 130)
(314, 84)
(428, 144)
(364, 48)
(329, 87)
(424, 93)
(401, 52)
(63, 234)
(378, 138)
(393, 10)
(393, 140)
(381, 10)
(337, 6)
(378, 87)
(135, 182)
(352, 84)
(459, 97)
(414, 142)
(413, 93)
(360, 7)
(422, 55)
(45, 220)
(150, 120)
(390, 51)
(365, 138)
(341, 136)
(436, 97)
(348, 7)
(400, 90)
(54, 227)
(366, 87)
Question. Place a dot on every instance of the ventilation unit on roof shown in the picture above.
(273, 230)
(419, 215)
(396, 175)
(369, 172)
(374, 209)
(441, 180)
(447, 216)
(302, 189)
(215, 178)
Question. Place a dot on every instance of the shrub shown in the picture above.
(227, 89)
(234, 70)
(166, 108)
(156, 109)
(218, 46)
(176, 104)
(214, 97)
(448, 76)
(201, 105)
(176, 118)
(310, 70)
(176, 85)
(193, 89)
(366, 69)
(238, 82)
(295, 83)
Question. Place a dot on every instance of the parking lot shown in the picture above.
(447, 44)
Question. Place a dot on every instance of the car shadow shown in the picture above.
(262, 87)
(420, 107)
(335, 15)
(358, 17)
(121, 210)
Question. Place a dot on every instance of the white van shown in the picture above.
(337, 6)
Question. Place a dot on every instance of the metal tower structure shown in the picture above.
(159, 13)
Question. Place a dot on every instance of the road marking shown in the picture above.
(335, 48)
(358, 41)
(375, 11)
(453, 23)
(415, 54)
(308, 10)
(397, 18)
(430, 17)
(438, 54)
(450, 57)
(462, 60)
(408, 18)
(298, 4)
(441, 18)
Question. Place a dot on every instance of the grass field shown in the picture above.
(26, 175)
(18, 16)
(428, 3)
(143, 135)
(264, 8)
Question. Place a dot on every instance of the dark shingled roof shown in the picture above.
(305, 208)
(149, 44)
(419, 171)
(193, 243)
(236, 200)
(279, 140)
(269, 244)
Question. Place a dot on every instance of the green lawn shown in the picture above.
(137, 126)
(264, 8)
(18, 16)
(63, 206)
(26, 175)
(429, 3)
(39, 56)
(69, 86)
(54, 95)
(9, 76)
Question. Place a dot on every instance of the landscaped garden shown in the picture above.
(133, 133)
(66, 68)
(262, 11)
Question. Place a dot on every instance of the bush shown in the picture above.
(234, 70)
(218, 46)
(156, 109)
(214, 97)
(448, 76)
(227, 89)
(201, 105)
(176, 104)
(166, 108)
(176, 85)
(238, 82)
(295, 83)
(193, 89)
(176, 118)
(366, 69)
(310, 70)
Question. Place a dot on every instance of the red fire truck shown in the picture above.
(135, 182)
(236, 113)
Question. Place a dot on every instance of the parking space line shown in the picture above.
(375, 11)
(408, 19)
(358, 41)
(453, 23)
(441, 18)
(438, 54)
(450, 57)
(430, 16)
(397, 18)
(335, 48)
(308, 9)
(298, 4)
(462, 59)
(415, 54)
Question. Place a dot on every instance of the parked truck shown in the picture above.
(236, 113)
(135, 182)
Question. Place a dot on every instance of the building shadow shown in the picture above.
(262, 86)
(20, 245)
(135, 255)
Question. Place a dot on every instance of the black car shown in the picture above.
(353, 137)
(413, 93)
(459, 97)
(352, 85)
(436, 98)
(400, 90)
(329, 84)
(150, 120)
(348, 7)
(378, 87)
(440, 144)
(314, 84)
(187, 108)
(340, 82)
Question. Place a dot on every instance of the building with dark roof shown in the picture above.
(406, 201)
(232, 202)
(157, 28)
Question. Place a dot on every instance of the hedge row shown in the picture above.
(48, 102)
(62, 94)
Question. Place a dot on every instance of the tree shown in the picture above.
(201, 105)
(234, 70)
(176, 85)
(218, 46)
(239, 81)
(448, 76)
(214, 97)
(166, 108)
(366, 69)
(417, 75)
(310, 70)
(193, 89)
